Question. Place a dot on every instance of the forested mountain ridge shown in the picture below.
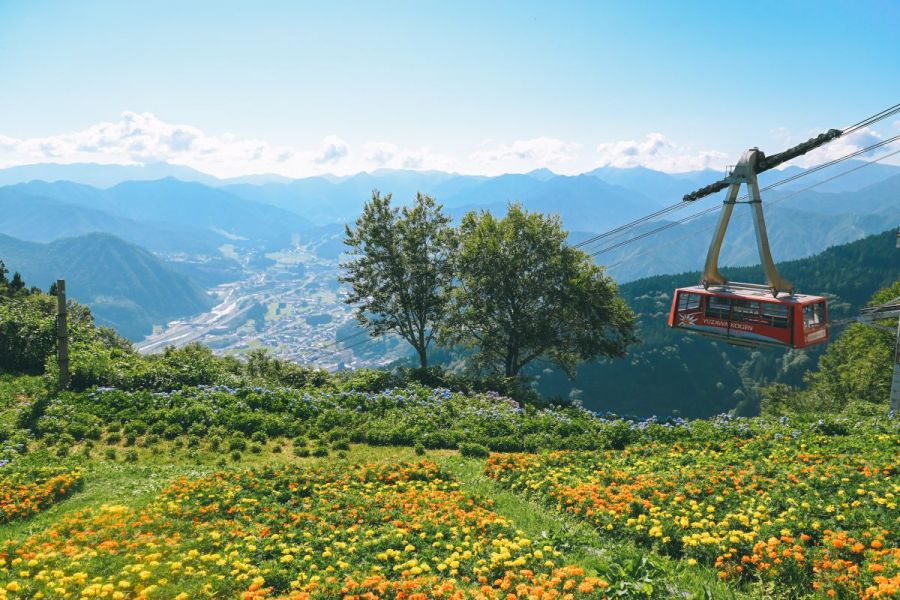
(669, 371)
(126, 287)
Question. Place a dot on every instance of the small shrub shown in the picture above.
(302, 452)
(131, 456)
(320, 452)
(256, 449)
(259, 437)
(113, 438)
(472, 450)
(235, 456)
(237, 444)
(276, 449)
(419, 449)
(171, 432)
(110, 454)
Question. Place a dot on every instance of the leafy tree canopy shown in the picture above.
(856, 369)
(523, 293)
(400, 269)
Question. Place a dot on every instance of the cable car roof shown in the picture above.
(736, 290)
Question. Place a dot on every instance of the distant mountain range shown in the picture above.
(104, 176)
(177, 216)
(192, 217)
(126, 287)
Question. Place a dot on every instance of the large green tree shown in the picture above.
(859, 364)
(400, 269)
(523, 293)
(856, 369)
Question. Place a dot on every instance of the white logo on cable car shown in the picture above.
(687, 319)
(816, 335)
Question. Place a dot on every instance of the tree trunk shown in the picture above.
(510, 365)
(423, 357)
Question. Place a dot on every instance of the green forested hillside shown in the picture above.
(126, 287)
(670, 371)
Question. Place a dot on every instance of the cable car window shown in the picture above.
(745, 310)
(688, 302)
(718, 307)
(813, 315)
(775, 315)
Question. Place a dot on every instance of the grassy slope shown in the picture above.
(136, 483)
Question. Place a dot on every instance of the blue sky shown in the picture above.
(298, 88)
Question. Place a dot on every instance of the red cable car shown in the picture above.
(743, 313)
(751, 317)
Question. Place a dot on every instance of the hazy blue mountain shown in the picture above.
(126, 287)
(329, 200)
(582, 201)
(854, 180)
(102, 176)
(882, 198)
(260, 179)
(541, 174)
(42, 219)
(665, 188)
(669, 188)
(174, 203)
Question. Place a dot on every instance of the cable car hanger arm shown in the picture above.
(744, 174)
(764, 163)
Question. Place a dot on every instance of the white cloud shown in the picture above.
(333, 150)
(838, 148)
(656, 151)
(387, 155)
(525, 154)
(144, 138)
(141, 138)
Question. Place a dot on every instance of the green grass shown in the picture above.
(137, 483)
(16, 390)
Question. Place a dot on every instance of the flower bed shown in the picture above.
(26, 493)
(807, 514)
(351, 531)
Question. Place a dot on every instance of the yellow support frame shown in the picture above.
(744, 174)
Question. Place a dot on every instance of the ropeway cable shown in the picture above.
(771, 186)
(884, 114)
(769, 203)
